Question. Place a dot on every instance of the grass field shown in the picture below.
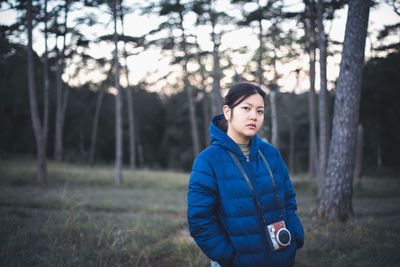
(81, 219)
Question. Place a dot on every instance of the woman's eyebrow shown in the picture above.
(247, 103)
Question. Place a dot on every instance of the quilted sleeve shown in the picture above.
(203, 223)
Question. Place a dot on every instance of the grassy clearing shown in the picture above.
(81, 219)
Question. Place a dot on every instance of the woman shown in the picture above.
(240, 195)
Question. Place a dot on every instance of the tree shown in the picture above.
(336, 200)
(62, 92)
(207, 14)
(99, 101)
(324, 136)
(273, 88)
(46, 75)
(118, 101)
(275, 45)
(206, 102)
(176, 11)
(379, 114)
(130, 98)
(311, 49)
(292, 125)
(323, 92)
(359, 153)
(37, 127)
(272, 13)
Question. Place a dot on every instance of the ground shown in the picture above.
(81, 219)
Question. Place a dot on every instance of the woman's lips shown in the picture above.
(251, 125)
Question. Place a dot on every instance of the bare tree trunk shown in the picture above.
(46, 77)
(313, 149)
(261, 49)
(274, 119)
(58, 147)
(260, 69)
(292, 134)
(118, 104)
(131, 119)
(274, 89)
(206, 116)
(336, 201)
(359, 153)
(139, 147)
(216, 98)
(292, 127)
(131, 115)
(189, 93)
(61, 101)
(93, 142)
(41, 176)
(205, 102)
(323, 102)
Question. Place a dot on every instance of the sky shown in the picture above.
(151, 64)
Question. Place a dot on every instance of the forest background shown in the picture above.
(162, 125)
(89, 112)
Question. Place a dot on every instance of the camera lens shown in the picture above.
(283, 237)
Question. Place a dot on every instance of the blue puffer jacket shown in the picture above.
(223, 218)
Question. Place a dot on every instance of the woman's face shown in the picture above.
(245, 119)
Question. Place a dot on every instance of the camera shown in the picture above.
(278, 236)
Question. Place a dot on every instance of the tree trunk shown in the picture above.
(292, 133)
(130, 100)
(336, 201)
(323, 102)
(131, 119)
(216, 98)
(274, 89)
(57, 134)
(118, 105)
(60, 101)
(292, 127)
(139, 147)
(93, 142)
(313, 150)
(205, 102)
(189, 93)
(41, 175)
(260, 69)
(46, 77)
(206, 117)
(274, 119)
(359, 153)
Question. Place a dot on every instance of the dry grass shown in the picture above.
(81, 219)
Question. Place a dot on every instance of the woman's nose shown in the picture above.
(252, 115)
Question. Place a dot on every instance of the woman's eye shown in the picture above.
(246, 108)
(260, 112)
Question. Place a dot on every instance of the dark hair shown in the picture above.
(236, 95)
(240, 91)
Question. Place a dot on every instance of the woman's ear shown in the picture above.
(227, 112)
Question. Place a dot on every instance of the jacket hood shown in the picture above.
(220, 138)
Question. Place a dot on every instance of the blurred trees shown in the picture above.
(164, 123)
(380, 115)
(114, 6)
(38, 128)
(208, 15)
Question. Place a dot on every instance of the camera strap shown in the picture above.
(250, 184)
(273, 183)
